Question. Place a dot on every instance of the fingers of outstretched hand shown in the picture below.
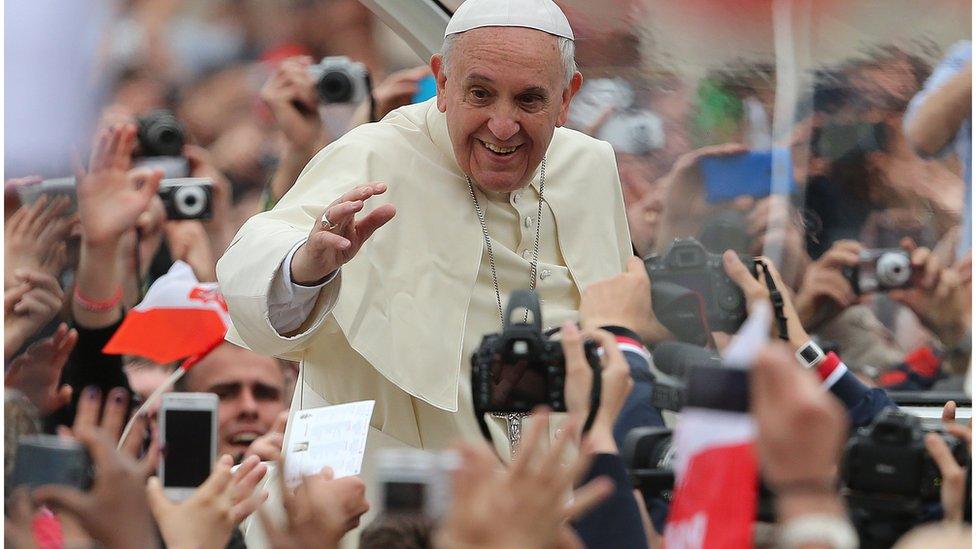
(220, 478)
(375, 219)
(114, 414)
(89, 406)
(589, 496)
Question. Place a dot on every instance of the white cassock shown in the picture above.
(400, 322)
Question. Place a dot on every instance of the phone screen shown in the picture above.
(187, 455)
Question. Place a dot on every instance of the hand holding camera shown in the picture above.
(937, 296)
(115, 511)
(28, 306)
(825, 290)
(623, 300)
(291, 95)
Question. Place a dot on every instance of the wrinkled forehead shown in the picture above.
(528, 56)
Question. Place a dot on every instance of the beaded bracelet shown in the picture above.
(98, 306)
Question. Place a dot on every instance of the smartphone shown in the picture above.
(188, 431)
(746, 174)
(49, 459)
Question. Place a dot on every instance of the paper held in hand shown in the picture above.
(333, 436)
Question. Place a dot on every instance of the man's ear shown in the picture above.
(574, 85)
(440, 77)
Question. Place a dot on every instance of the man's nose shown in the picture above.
(247, 404)
(503, 124)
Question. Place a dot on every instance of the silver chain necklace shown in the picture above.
(514, 420)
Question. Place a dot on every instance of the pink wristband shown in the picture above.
(98, 306)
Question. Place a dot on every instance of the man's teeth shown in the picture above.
(499, 150)
(244, 438)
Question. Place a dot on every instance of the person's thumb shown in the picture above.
(635, 265)
(158, 502)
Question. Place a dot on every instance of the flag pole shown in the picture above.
(165, 386)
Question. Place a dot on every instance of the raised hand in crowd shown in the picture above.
(37, 372)
(328, 248)
(267, 447)
(824, 291)
(397, 89)
(114, 511)
(319, 512)
(684, 195)
(623, 300)
(532, 498)
(110, 203)
(615, 384)
(27, 307)
(208, 517)
(220, 227)
(34, 238)
(938, 297)
(188, 242)
(294, 103)
(801, 430)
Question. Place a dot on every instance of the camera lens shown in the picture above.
(189, 201)
(893, 270)
(335, 87)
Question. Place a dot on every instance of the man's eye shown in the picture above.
(479, 94)
(531, 101)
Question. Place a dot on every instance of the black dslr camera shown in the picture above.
(889, 457)
(161, 137)
(881, 270)
(688, 281)
(521, 368)
(890, 480)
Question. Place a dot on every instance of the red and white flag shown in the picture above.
(179, 317)
(716, 467)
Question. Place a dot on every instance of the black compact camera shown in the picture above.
(881, 270)
(521, 368)
(687, 281)
(340, 80)
(161, 137)
(48, 459)
(187, 197)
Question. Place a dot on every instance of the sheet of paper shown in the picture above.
(330, 435)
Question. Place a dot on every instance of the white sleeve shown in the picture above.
(289, 304)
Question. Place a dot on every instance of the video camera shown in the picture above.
(520, 368)
(689, 285)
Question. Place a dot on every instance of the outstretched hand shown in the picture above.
(109, 202)
(37, 372)
(337, 235)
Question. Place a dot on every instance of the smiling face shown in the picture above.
(503, 93)
(251, 389)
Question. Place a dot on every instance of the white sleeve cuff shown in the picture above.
(289, 303)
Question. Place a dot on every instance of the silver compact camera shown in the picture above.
(881, 270)
(340, 80)
(187, 197)
(415, 482)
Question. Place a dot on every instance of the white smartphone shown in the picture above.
(188, 432)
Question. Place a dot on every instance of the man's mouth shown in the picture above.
(244, 438)
(498, 149)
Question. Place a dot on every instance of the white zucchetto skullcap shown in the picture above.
(542, 15)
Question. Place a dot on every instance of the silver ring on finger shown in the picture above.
(328, 225)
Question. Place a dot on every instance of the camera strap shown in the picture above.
(777, 298)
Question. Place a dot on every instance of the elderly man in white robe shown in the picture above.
(396, 249)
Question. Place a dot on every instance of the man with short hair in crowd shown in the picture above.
(251, 389)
